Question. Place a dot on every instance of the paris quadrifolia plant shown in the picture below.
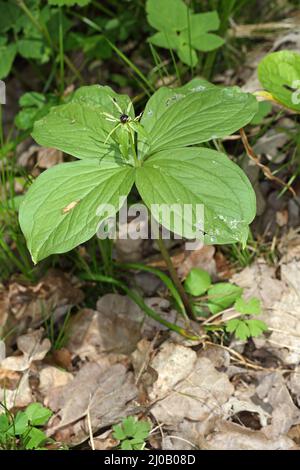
(160, 151)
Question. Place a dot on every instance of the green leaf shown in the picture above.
(60, 209)
(166, 39)
(9, 15)
(4, 423)
(126, 445)
(169, 15)
(256, 327)
(203, 22)
(129, 425)
(20, 424)
(118, 432)
(197, 281)
(264, 108)
(79, 127)
(207, 42)
(195, 114)
(35, 439)
(242, 331)
(37, 414)
(142, 430)
(222, 295)
(250, 307)
(31, 48)
(198, 176)
(7, 57)
(32, 98)
(187, 55)
(165, 97)
(279, 74)
(25, 118)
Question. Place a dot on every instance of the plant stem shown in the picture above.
(174, 275)
(1, 128)
(61, 54)
(140, 302)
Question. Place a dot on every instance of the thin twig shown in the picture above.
(267, 172)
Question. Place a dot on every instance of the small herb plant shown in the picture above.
(22, 430)
(220, 296)
(181, 29)
(159, 153)
(245, 327)
(132, 433)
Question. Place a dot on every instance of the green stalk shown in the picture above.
(164, 278)
(174, 276)
(1, 128)
(61, 54)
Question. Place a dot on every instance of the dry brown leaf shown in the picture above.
(52, 377)
(105, 441)
(48, 157)
(33, 348)
(273, 391)
(230, 436)
(198, 396)
(106, 392)
(22, 305)
(203, 258)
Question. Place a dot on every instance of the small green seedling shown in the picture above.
(221, 296)
(22, 430)
(132, 433)
(181, 29)
(244, 327)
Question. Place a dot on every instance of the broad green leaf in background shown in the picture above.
(279, 74)
(167, 15)
(185, 118)
(222, 295)
(197, 281)
(10, 12)
(79, 127)
(7, 57)
(60, 208)
(198, 176)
